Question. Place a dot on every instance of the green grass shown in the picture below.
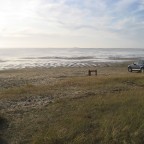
(91, 110)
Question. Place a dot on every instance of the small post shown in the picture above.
(96, 72)
(89, 73)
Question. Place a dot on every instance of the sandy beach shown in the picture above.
(44, 77)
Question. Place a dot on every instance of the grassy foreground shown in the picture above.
(81, 110)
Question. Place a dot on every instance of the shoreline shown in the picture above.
(66, 63)
(43, 76)
(78, 64)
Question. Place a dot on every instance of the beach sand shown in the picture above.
(42, 75)
(12, 80)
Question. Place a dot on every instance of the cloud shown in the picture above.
(122, 19)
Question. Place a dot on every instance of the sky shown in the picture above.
(71, 23)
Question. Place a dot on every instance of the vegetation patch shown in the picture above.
(76, 110)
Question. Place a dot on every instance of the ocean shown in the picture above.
(65, 57)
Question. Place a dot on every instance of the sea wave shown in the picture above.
(66, 58)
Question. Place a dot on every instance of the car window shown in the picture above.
(141, 62)
(136, 63)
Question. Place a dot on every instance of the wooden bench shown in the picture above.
(90, 71)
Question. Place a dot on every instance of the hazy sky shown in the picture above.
(71, 23)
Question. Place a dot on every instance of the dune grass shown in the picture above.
(96, 120)
(86, 110)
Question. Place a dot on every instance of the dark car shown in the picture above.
(137, 66)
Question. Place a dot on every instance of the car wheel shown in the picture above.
(142, 70)
(129, 69)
